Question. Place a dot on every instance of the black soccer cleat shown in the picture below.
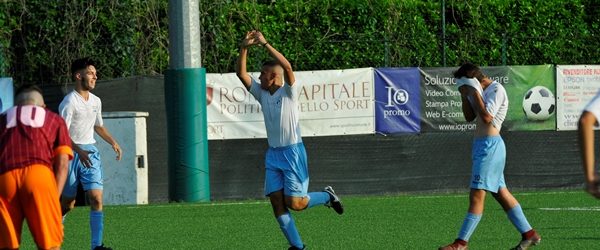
(334, 201)
(296, 248)
(102, 247)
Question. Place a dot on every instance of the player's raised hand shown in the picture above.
(249, 39)
(260, 38)
(592, 188)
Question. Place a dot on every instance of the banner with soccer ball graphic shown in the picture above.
(576, 86)
(529, 88)
(531, 96)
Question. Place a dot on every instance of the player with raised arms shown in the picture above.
(286, 177)
(486, 102)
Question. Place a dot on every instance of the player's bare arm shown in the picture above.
(240, 69)
(103, 132)
(288, 73)
(61, 169)
(479, 108)
(587, 121)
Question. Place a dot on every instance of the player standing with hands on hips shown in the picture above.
(486, 102)
(82, 112)
(286, 177)
(35, 149)
(587, 121)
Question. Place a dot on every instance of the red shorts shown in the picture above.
(30, 193)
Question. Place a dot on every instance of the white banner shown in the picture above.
(332, 102)
(6, 93)
(576, 85)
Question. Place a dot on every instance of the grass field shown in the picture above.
(565, 219)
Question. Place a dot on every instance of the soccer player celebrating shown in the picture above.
(286, 177)
(487, 103)
(82, 112)
(35, 149)
(587, 121)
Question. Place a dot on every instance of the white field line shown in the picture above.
(570, 209)
(467, 195)
(201, 204)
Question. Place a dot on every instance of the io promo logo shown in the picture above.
(396, 97)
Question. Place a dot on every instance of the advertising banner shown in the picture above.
(576, 85)
(441, 102)
(532, 102)
(6, 93)
(397, 100)
(332, 102)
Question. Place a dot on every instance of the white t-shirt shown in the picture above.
(594, 106)
(81, 116)
(281, 113)
(496, 103)
(471, 82)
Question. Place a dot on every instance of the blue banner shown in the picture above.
(397, 100)
(6, 94)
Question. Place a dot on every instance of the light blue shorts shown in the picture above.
(287, 169)
(90, 177)
(489, 158)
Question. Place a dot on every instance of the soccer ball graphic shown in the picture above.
(538, 103)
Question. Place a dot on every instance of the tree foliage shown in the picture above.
(39, 39)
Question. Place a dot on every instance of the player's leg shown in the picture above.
(67, 198)
(476, 202)
(474, 213)
(11, 216)
(42, 208)
(296, 181)
(516, 216)
(91, 180)
(274, 181)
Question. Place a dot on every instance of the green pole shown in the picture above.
(185, 100)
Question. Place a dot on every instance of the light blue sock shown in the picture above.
(517, 217)
(97, 227)
(468, 226)
(288, 227)
(317, 198)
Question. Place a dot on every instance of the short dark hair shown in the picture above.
(271, 63)
(469, 70)
(81, 63)
(28, 88)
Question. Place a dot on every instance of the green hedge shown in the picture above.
(38, 39)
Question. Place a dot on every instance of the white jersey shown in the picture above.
(81, 116)
(594, 106)
(496, 103)
(281, 113)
